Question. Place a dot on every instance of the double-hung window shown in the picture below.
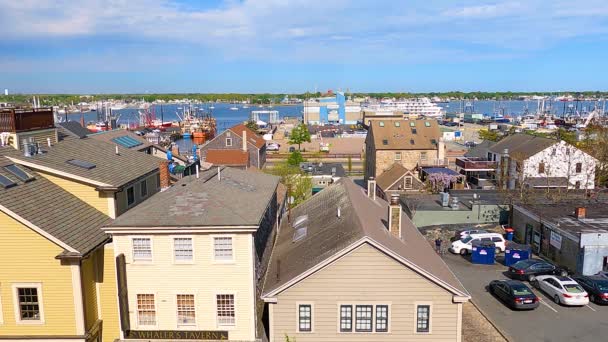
(363, 318)
(186, 309)
(228, 142)
(305, 318)
(182, 249)
(225, 309)
(146, 309)
(222, 248)
(28, 299)
(130, 196)
(381, 318)
(346, 318)
(143, 188)
(423, 318)
(142, 249)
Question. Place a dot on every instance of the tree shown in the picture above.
(299, 185)
(299, 134)
(295, 158)
(485, 134)
(252, 125)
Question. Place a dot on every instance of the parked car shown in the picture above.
(470, 144)
(272, 147)
(596, 287)
(563, 290)
(461, 234)
(514, 293)
(531, 268)
(465, 245)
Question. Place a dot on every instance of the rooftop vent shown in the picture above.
(81, 163)
(19, 173)
(6, 183)
(433, 141)
(299, 234)
(412, 142)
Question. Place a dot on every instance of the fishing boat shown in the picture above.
(234, 108)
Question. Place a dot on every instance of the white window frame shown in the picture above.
(425, 154)
(153, 293)
(177, 310)
(405, 182)
(222, 261)
(398, 155)
(228, 139)
(17, 307)
(142, 261)
(312, 317)
(175, 260)
(430, 305)
(217, 321)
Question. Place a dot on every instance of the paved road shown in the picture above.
(549, 322)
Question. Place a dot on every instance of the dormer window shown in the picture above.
(412, 124)
(397, 124)
(381, 123)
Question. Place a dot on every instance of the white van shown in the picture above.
(465, 245)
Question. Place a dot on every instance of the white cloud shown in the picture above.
(314, 30)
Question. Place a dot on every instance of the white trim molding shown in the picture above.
(192, 241)
(78, 299)
(17, 309)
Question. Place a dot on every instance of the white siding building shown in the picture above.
(538, 162)
(189, 258)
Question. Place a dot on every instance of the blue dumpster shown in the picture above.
(516, 252)
(509, 232)
(483, 252)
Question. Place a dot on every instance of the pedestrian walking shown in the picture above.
(438, 245)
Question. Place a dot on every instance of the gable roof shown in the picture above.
(252, 137)
(227, 157)
(390, 176)
(328, 235)
(111, 170)
(399, 134)
(123, 138)
(53, 212)
(240, 198)
(524, 144)
(73, 129)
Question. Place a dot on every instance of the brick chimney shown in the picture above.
(164, 174)
(394, 216)
(371, 188)
(244, 141)
(580, 212)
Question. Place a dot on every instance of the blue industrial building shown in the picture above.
(331, 110)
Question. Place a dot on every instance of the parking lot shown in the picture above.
(549, 322)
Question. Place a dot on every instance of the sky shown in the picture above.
(293, 46)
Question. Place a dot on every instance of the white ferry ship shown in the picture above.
(420, 106)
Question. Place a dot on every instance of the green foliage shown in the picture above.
(252, 125)
(295, 158)
(485, 134)
(299, 185)
(288, 339)
(299, 134)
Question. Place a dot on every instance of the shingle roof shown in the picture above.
(480, 150)
(53, 210)
(73, 129)
(110, 170)
(323, 169)
(390, 176)
(328, 235)
(524, 144)
(114, 136)
(402, 137)
(543, 182)
(240, 198)
(227, 157)
(252, 137)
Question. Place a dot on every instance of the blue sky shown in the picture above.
(136, 46)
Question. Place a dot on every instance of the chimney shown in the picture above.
(164, 174)
(441, 151)
(245, 141)
(394, 216)
(580, 212)
(371, 188)
(26, 148)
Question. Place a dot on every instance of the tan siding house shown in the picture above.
(351, 278)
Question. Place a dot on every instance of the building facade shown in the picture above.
(332, 109)
(206, 236)
(236, 138)
(323, 282)
(411, 143)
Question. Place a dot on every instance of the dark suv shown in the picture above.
(528, 269)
